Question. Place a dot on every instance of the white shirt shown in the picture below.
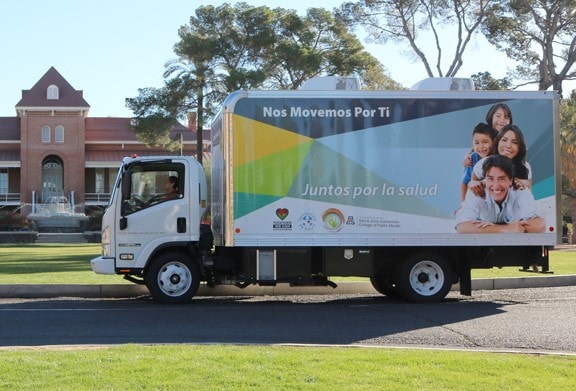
(518, 205)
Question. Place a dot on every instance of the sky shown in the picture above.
(110, 49)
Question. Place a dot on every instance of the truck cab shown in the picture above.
(143, 220)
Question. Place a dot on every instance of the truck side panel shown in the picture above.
(365, 168)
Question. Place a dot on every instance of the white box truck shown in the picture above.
(308, 185)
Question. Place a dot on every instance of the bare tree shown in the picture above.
(540, 35)
(413, 22)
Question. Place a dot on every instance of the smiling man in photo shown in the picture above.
(504, 209)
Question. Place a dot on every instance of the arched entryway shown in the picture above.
(52, 178)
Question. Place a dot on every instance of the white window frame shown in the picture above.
(45, 134)
(99, 180)
(59, 134)
(52, 92)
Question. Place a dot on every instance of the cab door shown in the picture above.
(147, 218)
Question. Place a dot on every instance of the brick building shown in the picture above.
(53, 149)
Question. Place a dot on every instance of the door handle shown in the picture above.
(181, 225)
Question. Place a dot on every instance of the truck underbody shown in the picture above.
(416, 274)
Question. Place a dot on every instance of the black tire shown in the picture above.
(385, 285)
(172, 278)
(424, 278)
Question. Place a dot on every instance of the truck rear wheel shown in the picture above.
(385, 284)
(172, 278)
(424, 278)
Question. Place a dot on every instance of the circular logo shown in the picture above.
(307, 221)
(333, 219)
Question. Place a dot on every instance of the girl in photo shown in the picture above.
(499, 116)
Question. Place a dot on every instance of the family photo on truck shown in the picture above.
(497, 180)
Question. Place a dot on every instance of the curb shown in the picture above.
(132, 290)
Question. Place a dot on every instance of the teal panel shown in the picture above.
(545, 188)
(245, 203)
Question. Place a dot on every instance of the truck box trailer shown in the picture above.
(308, 185)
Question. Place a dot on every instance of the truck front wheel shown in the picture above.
(424, 278)
(172, 278)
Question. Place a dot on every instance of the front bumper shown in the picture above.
(101, 265)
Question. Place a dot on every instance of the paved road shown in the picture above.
(527, 320)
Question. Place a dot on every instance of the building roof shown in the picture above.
(37, 96)
(9, 155)
(108, 129)
(9, 129)
(117, 130)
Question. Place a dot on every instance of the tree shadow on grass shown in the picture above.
(65, 264)
(53, 258)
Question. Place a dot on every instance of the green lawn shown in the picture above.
(51, 264)
(561, 263)
(70, 264)
(233, 367)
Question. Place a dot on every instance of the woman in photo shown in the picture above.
(509, 142)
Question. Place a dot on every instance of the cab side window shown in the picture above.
(152, 186)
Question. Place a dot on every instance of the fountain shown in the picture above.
(57, 214)
(57, 220)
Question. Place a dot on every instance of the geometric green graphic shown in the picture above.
(260, 182)
(273, 174)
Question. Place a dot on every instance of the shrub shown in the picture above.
(95, 221)
(14, 222)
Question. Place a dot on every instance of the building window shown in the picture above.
(59, 134)
(3, 180)
(100, 180)
(52, 92)
(45, 134)
(111, 181)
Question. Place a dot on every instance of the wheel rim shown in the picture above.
(426, 278)
(174, 279)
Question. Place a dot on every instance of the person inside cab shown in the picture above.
(171, 188)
